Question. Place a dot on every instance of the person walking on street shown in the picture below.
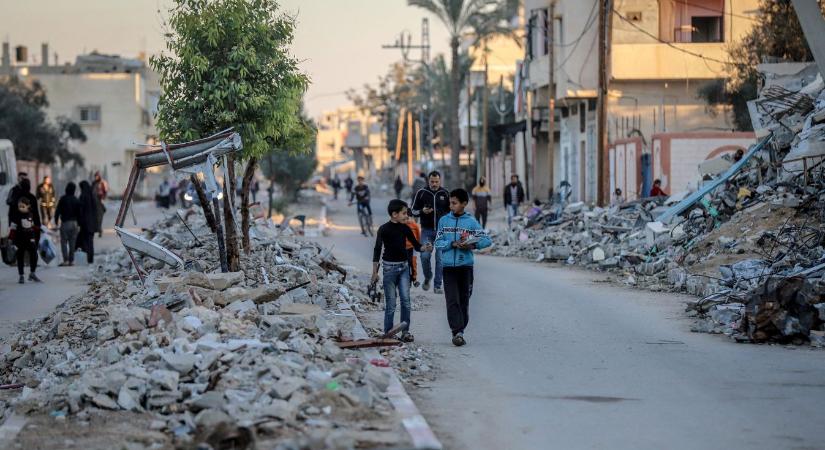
(164, 191)
(348, 184)
(336, 186)
(411, 259)
(100, 190)
(24, 230)
(513, 197)
(254, 188)
(398, 186)
(46, 198)
(14, 192)
(481, 201)
(88, 221)
(430, 204)
(458, 235)
(66, 218)
(392, 237)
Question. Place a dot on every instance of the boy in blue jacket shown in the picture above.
(459, 233)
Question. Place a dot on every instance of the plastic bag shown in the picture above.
(46, 249)
(8, 251)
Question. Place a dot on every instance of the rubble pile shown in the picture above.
(751, 241)
(245, 352)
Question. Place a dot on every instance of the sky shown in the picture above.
(337, 41)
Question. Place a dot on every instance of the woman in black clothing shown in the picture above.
(25, 229)
(87, 221)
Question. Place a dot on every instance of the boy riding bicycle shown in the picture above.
(361, 194)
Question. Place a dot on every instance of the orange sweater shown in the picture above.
(416, 229)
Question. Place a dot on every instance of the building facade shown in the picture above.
(350, 140)
(662, 54)
(114, 99)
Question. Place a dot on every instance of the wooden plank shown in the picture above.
(367, 343)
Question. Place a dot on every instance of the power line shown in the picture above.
(669, 44)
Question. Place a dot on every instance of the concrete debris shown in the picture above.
(752, 246)
(201, 350)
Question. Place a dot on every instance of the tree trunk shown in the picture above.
(455, 132)
(230, 171)
(207, 209)
(232, 252)
(245, 220)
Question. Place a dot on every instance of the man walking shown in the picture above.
(430, 204)
(513, 197)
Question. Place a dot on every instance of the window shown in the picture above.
(537, 33)
(89, 114)
(706, 29)
(691, 20)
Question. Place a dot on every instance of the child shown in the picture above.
(458, 235)
(393, 237)
(24, 230)
(411, 260)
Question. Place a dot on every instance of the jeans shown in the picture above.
(428, 237)
(68, 239)
(512, 211)
(396, 277)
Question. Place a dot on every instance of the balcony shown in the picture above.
(657, 61)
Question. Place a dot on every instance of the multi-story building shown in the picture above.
(114, 99)
(662, 54)
(350, 140)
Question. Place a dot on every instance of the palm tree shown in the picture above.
(479, 18)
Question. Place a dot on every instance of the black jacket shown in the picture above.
(508, 198)
(16, 218)
(68, 208)
(438, 200)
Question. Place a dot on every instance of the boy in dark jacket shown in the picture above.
(459, 233)
(24, 231)
(393, 237)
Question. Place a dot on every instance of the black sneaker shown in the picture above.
(407, 337)
(426, 286)
(458, 340)
(33, 277)
(22, 279)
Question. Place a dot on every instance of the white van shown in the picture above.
(8, 178)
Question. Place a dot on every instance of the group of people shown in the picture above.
(445, 229)
(77, 218)
(337, 185)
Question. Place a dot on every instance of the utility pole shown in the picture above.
(605, 8)
(409, 148)
(551, 91)
(470, 117)
(485, 122)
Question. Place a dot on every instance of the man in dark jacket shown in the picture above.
(430, 204)
(24, 230)
(46, 197)
(513, 197)
(67, 217)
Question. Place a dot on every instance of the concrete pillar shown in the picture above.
(6, 55)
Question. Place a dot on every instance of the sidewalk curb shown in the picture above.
(416, 425)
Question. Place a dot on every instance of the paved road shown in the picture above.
(31, 300)
(557, 359)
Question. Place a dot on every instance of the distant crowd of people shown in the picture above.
(77, 218)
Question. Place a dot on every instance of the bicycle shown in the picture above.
(364, 219)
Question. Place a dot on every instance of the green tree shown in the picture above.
(480, 19)
(228, 65)
(293, 161)
(775, 36)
